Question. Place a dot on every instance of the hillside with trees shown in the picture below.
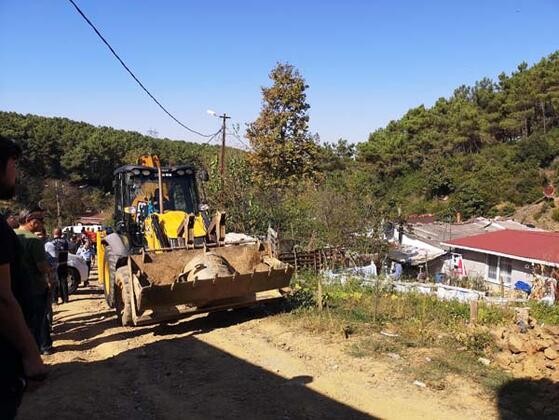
(78, 159)
(486, 150)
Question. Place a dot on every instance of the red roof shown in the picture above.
(528, 245)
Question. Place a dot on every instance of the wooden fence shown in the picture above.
(318, 259)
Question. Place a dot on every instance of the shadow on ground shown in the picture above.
(528, 399)
(177, 378)
(88, 291)
(89, 330)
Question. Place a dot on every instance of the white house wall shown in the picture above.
(476, 265)
(521, 271)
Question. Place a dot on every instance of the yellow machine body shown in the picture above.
(178, 260)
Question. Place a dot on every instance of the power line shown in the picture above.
(213, 137)
(134, 76)
(240, 144)
(239, 139)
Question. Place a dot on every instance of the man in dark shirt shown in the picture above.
(19, 355)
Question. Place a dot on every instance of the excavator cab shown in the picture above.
(138, 195)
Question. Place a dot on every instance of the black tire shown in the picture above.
(110, 293)
(123, 296)
(73, 280)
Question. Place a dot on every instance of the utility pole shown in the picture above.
(224, 117)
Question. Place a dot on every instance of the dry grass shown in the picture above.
(423, 324)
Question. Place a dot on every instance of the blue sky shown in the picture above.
(366, 62)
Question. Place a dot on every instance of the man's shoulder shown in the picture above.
(29, 237)
(30, 241)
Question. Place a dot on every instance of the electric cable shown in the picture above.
(134, 76)
(239, 139)
(213, 137)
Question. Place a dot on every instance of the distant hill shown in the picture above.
(80, 159)
(544, 215)
(77, 151)
(486, 149)
(489, 149)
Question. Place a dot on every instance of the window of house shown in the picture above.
(506, 270)
(492, 267)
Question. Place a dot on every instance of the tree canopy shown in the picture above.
(486, 144)
(283, 149)
(83, 157)
(482, 151)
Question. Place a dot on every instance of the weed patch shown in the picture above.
(545, 313)
(420, 323)
(373, 347)
(464, 364)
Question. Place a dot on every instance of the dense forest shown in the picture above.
(81, 158)
(485, 150)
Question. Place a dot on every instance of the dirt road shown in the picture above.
(241, 364)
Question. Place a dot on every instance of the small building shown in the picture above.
(91, 218)
(419, 244)
(507, 255)
(417, 255)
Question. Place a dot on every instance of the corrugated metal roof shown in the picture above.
(439, 232)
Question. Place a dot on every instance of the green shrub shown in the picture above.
(494, 315)
(545, 313)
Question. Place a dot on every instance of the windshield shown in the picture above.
(179, 192)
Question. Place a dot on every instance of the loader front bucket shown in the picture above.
(198, 280)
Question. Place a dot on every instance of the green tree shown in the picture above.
(284, 151)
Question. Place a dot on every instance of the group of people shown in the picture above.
(33, 276)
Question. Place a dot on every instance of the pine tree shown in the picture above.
(284, 151)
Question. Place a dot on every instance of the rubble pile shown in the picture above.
(529, 350)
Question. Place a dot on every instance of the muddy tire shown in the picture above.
(123, 296)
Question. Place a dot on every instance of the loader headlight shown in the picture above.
(135, 171)
(180, 172)
(145, 172)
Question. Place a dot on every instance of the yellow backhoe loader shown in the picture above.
(167, 258)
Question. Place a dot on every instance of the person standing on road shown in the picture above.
(73, 244)
(57, 248)
(20, 359)
(34, 261)
(86, 252)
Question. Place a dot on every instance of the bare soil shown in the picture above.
(235, 364)
(540, 215)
